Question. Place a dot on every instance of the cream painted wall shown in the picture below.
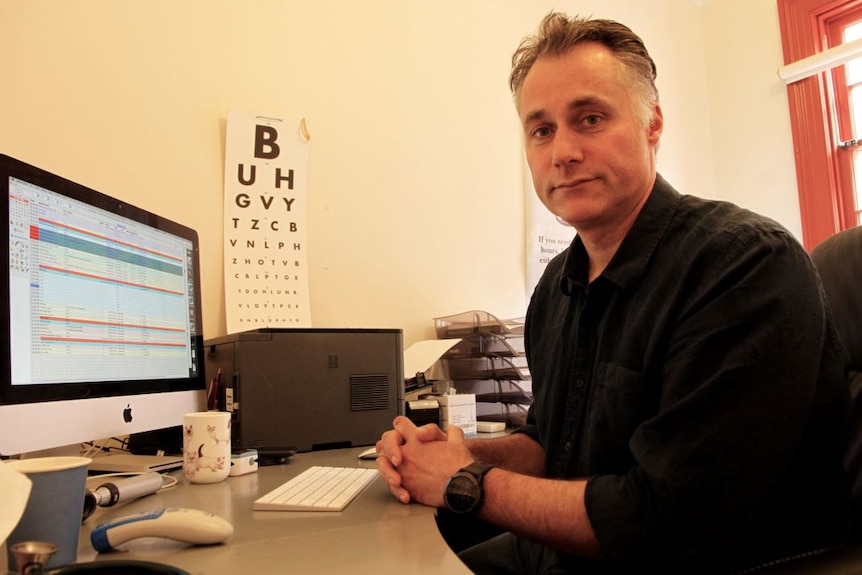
(416, 199)
(754, 163)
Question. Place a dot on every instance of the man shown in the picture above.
(689, 399)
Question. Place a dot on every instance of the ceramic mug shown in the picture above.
(206, 446)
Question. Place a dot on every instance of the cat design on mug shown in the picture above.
(195, 460)
(211, 431)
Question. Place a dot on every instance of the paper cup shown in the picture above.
(55, 507)
(206, 446)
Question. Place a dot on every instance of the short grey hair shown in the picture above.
(557, 34)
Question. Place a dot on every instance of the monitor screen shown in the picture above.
(101, 301)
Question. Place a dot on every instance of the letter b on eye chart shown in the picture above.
(265, 207)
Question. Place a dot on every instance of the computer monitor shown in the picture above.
(101, 332)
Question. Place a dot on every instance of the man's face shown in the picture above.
(592, 160)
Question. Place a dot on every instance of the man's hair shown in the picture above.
(557, 34)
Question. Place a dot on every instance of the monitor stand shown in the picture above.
(64, 451)
(128, 463)
(113, 462)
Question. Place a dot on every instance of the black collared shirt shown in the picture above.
(698, 384)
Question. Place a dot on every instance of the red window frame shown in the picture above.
(843, 119)
(822, 181)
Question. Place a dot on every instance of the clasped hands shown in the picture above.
(416, 462)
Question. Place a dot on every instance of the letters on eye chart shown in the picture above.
(265, 199)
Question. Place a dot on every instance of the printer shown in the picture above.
(307, 388)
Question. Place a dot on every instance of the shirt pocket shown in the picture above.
(620, 401)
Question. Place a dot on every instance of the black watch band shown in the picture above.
(463, 492)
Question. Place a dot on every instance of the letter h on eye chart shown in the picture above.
(265, 199)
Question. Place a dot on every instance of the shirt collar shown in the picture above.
(636, 249)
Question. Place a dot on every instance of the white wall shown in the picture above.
(754, 163)
(415, 182)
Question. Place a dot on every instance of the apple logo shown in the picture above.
(127, 414)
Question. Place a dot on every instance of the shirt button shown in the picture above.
(568, 446)
(579, 383)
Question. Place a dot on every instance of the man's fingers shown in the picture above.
(430, 432)
(405, 427)
(393, 479)
(390, 444)
(454, 434)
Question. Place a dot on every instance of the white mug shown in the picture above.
(206, 446)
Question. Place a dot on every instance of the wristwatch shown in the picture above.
(463, 493)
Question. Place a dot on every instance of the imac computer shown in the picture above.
(101, 330)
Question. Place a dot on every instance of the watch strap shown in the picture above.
(477, 471)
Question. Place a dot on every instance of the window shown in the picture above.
(847, 89)
(823, 117)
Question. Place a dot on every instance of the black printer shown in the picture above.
(307, 388)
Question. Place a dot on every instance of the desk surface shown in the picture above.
(374, 534)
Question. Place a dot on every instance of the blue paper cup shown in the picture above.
(55, 508)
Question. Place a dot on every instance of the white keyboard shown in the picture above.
(317, 489)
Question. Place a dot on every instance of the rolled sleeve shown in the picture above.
(750, 395)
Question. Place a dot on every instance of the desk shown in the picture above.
(374, 534)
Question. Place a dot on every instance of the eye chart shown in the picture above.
(265, 213)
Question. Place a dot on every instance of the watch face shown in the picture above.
(462, 493)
